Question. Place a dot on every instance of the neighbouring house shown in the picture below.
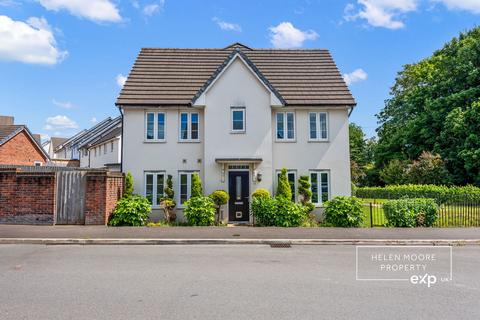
(80, 147)
(18, 146)
(51, 144)
(237, 116)
(103, 150)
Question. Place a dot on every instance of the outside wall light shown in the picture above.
(259, 176)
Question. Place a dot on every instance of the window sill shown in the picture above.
(189, 141)
(286, 141)
(154, 141)
(318, 141)
(238, 132)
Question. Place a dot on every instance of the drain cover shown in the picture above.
(280, 245)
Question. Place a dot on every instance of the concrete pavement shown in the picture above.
(219, 282)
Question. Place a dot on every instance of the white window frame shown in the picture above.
(154, 187)
(317, 126)
(155, 127)
(189, 186)
(285, 127)
(319, 185)
(295, 182)
(37, 163)
(111, 146)
(244, 120)
(189, 126)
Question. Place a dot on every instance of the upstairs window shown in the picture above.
(285, 126)
(155, 126)
(154, 186)
(318, 126)
(238, 119)
(320, 185)
(189, 126)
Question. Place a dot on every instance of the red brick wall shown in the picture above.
(103, 191)
(27, 198)
(30, 197)
(21, 150)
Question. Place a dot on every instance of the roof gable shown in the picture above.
(275, 98)
(8, 132)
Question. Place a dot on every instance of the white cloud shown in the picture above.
(228, 26)
(65, 105)
(467, 5)
(381, 13)
(9, 3)
(60, 122)
(285, 35)
(149, 9)
(121, 79)
(95, 10)
(93, 120)
(30, 42)
(355, 76)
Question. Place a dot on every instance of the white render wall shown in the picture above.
(237, 86)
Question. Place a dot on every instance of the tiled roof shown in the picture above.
(174, 76)
(115, 132)
(8, 131)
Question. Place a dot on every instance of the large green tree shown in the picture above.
(434, 107)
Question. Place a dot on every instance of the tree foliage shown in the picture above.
(128, 185)
(434, 106)
(196, 189)
(284, 189)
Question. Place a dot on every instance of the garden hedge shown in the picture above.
(411, 212)
(441, 194)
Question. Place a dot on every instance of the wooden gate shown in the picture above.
(71, 197)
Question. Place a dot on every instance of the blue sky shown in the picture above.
(62, 61)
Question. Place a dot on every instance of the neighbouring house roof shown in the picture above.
(89, 135)
(112, 134)
(162, 76)
(7, 132)
(56, 141)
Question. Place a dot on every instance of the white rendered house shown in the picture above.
(237, 116)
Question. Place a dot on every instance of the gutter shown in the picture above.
(122, 138)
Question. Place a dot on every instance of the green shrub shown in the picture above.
(441, 194)
(196, 190)
(395, 172)
(168, 190)
(261, 193)
(411, 212)
(279, 212)
(128, 185)
(200, 211)
(304, 189)
(289, 214)
(284, 189)
(131, 211)
(219, 197)
(263, 209)
(344, 212)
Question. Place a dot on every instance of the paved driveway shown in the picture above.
(219, 282)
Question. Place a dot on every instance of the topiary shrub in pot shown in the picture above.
(168, 203)
(131, 211)
(200, 211)
(344, 212)
(416, 212)
(220, 198)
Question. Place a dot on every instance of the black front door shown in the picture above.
(238, 206)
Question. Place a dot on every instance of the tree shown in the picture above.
(196, 189)
(284, 189)
(128, 185)
(358, 144)
(168, 190)
(305, 193)
(428, 169)
(395, 172)
(433, 106)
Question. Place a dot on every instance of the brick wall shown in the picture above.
(102, 193)
(21, 150)
(27, 197)
(30, 197)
